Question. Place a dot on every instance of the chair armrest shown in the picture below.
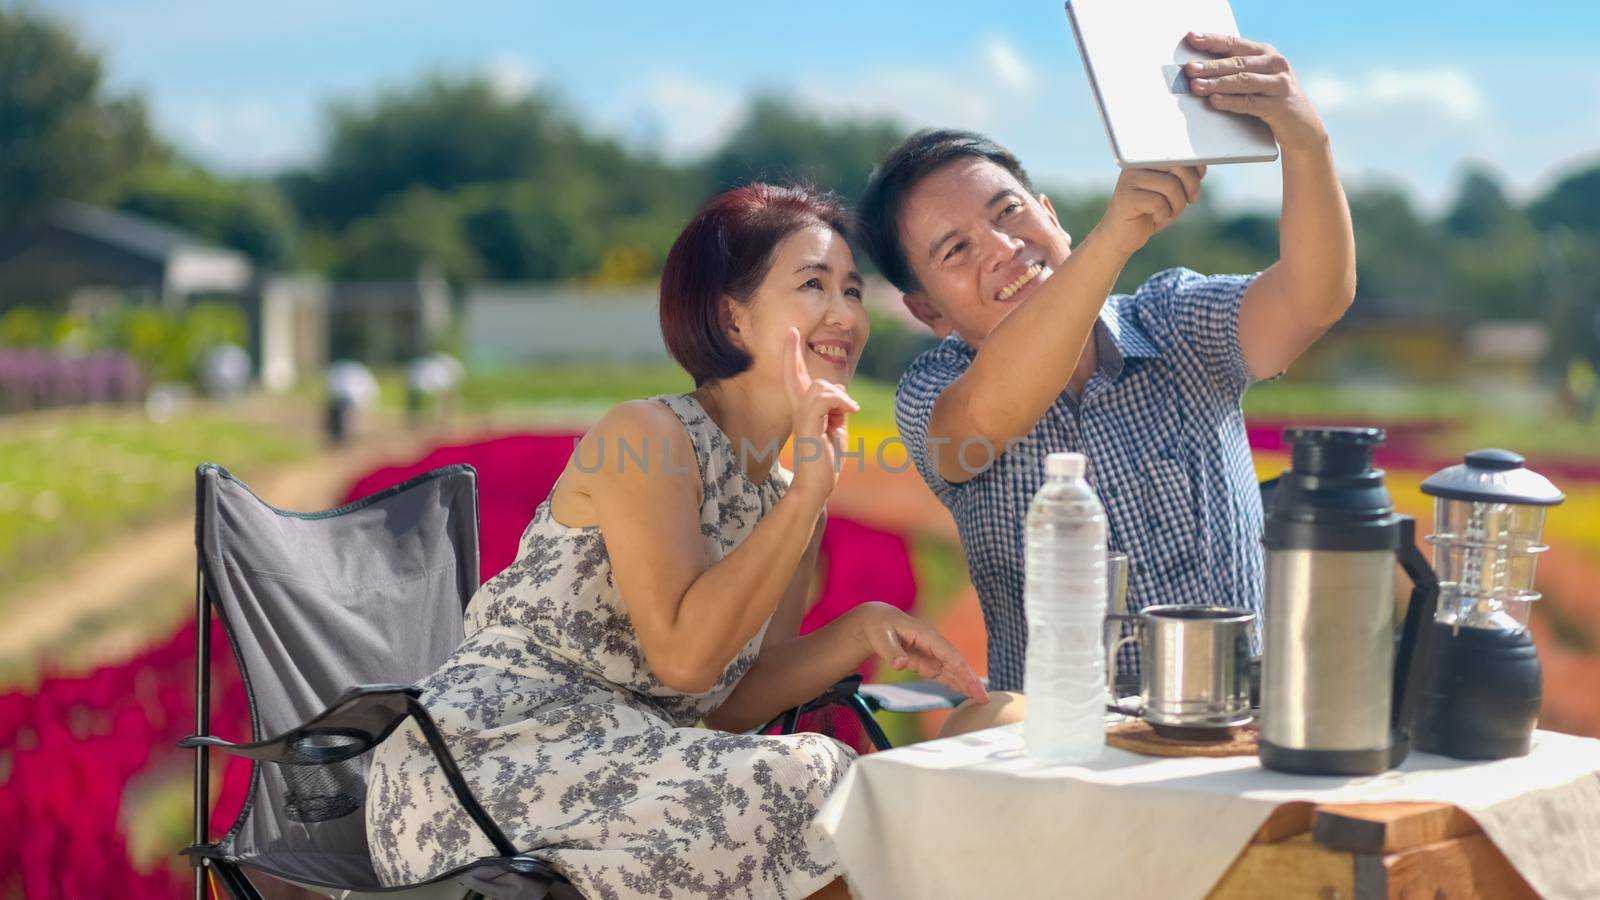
(912, 696)
(785, 721)
(866, 699)
(841, 692)
(845, 692)
(360, 719)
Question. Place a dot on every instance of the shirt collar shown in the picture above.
(1119, 337)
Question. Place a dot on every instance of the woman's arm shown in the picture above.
(746, 703)
(796, 671)
(692, 616)
(792, 670)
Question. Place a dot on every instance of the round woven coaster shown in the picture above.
(1136, 736)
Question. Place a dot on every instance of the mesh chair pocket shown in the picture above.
(325, 780)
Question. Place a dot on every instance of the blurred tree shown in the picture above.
(521, 191)
(63, 136)
(893, 346)
(1205, 240)
(24, 326)
(536, 231)
(1493, 269)
(441, 134)
(624, 264)
(248, 216)
(778, 141)
(1252, 233)
(1402, 261)
(1481, 209)
(418, 228)
(1570, 283)
(1574, 202)
(1496, 280)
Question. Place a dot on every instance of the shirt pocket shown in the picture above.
(1168, 529)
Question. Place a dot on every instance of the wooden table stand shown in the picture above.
(1365, 851)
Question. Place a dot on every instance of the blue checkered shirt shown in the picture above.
(1160, 422)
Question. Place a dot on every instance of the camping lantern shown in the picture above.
(1480, 694)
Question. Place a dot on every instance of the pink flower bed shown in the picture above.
(69, 750)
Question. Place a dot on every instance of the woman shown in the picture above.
(662, 583)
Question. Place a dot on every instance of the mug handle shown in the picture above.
(1113, 702)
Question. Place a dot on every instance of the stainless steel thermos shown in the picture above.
(1336, 689)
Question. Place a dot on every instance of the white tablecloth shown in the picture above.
(973, 816)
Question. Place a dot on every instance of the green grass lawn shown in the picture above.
(1381, 403)
(69, 481)
(1531, 436)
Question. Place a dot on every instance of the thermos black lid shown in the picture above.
(1354, 435)
(1493, 476)
(1331, 497)
(1330, 451)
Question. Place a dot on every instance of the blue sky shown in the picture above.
(1410, 91)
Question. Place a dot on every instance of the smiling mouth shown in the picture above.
(1010, 290)
(834, 353)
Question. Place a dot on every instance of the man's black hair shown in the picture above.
(917, 157)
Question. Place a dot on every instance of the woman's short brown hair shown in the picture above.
(726, 251)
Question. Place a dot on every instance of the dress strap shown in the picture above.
(720, 462)
(704, 434)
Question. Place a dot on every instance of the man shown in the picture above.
(1036, 358)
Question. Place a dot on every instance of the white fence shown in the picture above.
(509, 323)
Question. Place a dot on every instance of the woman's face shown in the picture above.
(812, 286)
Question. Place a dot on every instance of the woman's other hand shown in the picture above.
(908, 643)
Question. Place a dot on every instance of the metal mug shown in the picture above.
(1195, 665)
(1116, 582)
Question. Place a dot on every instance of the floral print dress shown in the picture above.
(582, 756)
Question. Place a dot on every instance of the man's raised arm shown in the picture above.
(1030, 357)
(1314, 280)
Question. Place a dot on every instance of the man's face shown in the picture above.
(978, 244)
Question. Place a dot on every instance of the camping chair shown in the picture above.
(332, 616)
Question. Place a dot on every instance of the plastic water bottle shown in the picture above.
(1065, 601)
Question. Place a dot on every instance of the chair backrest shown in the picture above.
(314, 603)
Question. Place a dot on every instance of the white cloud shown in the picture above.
(1449, 91)
(685, 116)
(1007, 65)
(510, 76)
(682, 116)
(916, 96)
(242, 137)
(984, 91)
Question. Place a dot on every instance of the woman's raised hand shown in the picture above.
(818, 409)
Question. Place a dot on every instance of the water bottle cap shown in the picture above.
(1065, 465)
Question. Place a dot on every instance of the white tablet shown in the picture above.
(1133, 52)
